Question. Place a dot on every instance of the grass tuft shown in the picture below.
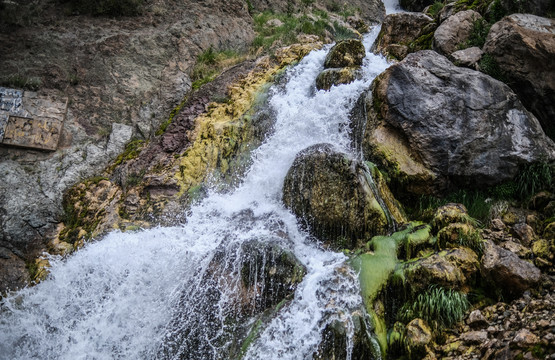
(439, 307)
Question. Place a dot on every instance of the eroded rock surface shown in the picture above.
(434, 125)
(523, 46)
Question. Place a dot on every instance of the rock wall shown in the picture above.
(121, 78)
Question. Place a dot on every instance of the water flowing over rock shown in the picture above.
(523, 46)
(507, 272)
(242, 281)
(333, 77)
(402, 32)
(454, 31)
(433, 125)
(335, 198)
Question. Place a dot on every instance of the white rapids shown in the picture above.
(114, 298)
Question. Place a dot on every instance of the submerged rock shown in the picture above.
(454, 31)
(400, 30)
(244, 285)
(523, 46)
(431, 125)
(506, 272)
(345, 53)
(335, 339)
(335, 197)
(333, 77)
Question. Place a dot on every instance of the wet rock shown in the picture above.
(13, 272)
(468, 57)
(335, 338)
(245, 282)
(549, 231)
(418, 336)
(523, 46)
(428, 108)
(507, 272)
(345, 53)
(454, 31)
(454, 269)
(477, 320)
(400, 30)
(334, 77)
(449, 214)
(540, 200)
(457, 234)
(332, 195)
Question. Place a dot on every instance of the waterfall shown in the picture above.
(118, 297)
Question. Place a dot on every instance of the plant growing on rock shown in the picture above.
(440, 307)
(534, 177)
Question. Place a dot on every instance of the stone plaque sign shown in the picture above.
(30, 120)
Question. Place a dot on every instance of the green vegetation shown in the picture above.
(533, 178)
(480, 30)
(488, 65)
(285, 31)
(210, 64)
(132, 150)
(435, 8)
(105, 7)
(440, 308)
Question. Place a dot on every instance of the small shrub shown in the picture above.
(439, 307)
(435, 8)
(341, 32)
(480, 30)
(488, 65)
(533, 178)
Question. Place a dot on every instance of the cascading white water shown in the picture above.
(116, 297)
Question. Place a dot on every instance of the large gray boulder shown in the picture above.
(508, 273)
(523, 46)
(432, 124)
(400, 33)
(335, 198)
(454, 31)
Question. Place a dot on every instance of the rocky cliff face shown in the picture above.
(122, 77)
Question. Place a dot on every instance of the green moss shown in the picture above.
(435, 8)
(19, 81)
(480, 30)
(424, 42)
(132, 150)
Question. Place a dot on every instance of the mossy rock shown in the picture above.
(417, 337)
(451, 213)
(335, 197)
(455, 269)
(549, 232)
(543, 249)
(334, 77)
(345, 53)
(460, 234)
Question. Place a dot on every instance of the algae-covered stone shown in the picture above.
(453, 269)
(541, 248)
(418, 336)
(460, 234)
(549, 231)
(330, 77)
(451, 213)
(345, 53)
(335, 197)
